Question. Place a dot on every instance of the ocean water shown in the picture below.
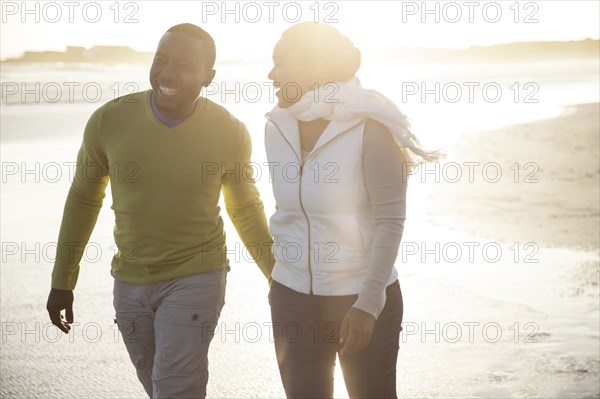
(442, 100)
(525, 325)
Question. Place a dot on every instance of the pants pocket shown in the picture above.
(138, 338)
(186, 321)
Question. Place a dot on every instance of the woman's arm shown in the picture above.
(386, 181)
(385, 178)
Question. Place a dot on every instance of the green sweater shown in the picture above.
(165, 184)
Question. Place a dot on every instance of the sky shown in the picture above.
(249, 29)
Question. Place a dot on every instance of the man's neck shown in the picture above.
(165, 120)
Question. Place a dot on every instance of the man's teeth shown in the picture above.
(167, 91)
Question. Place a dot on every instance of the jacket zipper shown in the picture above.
(301, 205)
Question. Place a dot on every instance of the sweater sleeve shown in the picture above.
(82, 205)
(386, 180)
(246, 209)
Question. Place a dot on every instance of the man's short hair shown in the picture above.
(198, 33)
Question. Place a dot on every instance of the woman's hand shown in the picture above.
(356, 331)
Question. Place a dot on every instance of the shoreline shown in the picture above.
(534, 182)
(543, 299)
(560, 209)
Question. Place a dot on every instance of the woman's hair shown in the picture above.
(325, 43)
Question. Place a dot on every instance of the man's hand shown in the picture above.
(57, 301)
(356, 331)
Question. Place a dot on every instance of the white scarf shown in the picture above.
(344, 101)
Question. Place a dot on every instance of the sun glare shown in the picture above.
(249, 29)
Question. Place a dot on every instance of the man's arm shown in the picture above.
(246, 209)
(79, 218)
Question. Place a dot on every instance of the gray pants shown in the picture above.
(167, 328)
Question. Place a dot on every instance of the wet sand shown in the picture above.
(548, 188)
(523, 324)
(543, 288)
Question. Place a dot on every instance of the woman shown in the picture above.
(338, 154)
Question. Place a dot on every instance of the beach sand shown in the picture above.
(524, 324)
(543, 288)
(549, 187)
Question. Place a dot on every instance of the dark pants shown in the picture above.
(306, 332)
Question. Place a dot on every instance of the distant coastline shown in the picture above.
(78, 55)
(509, 52)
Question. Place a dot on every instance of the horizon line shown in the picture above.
(13, 59)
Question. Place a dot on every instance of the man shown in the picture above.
(167, 153)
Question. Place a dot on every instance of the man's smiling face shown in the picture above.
(179, 71)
